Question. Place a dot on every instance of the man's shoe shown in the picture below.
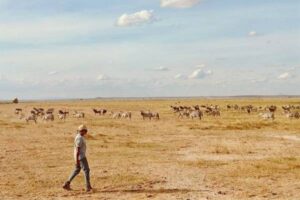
(88, 189)
(66, 186)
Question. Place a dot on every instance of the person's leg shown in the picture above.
(72, 176)
(85, 167)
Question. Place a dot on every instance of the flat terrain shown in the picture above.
(235, 156)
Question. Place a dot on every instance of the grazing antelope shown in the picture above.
(48, 117)
(236, 107)
(96, 111)
(100, 111)
(229, 107)
(286, 109)
(268, 115)
(63, 112)
(196, 107)
(155, 115)
(196, 114)
(79, 115)
(62, 115)
(215, 113)
(150, 115)
(115, 115)
(50, 110)
(18, 111)
(38, 111)
(126, 115)
(146, 115)
(295, 115)
(184, 113)
(31, 117)
(271, 108)
(175, 109)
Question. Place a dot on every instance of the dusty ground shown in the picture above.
(236, 156)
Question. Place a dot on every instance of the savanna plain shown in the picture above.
(234, 156)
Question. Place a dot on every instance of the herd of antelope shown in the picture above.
(267, 112)
(45, 115)
(190, 112)
(48, 115)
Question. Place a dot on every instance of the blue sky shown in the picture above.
(143, 48)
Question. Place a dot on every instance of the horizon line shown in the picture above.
(157, 97)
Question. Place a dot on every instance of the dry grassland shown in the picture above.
(235, 156)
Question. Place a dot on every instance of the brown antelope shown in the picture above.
(78, 114)
(62, 115)
(31, 117)
(18, 111)
(126, 115)
(196, 114)
(268, 115)
(295, 115)
(100, 111)
(149, 115)
(48, 117)
(116, 115)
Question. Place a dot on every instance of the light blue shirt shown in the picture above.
(79, 142)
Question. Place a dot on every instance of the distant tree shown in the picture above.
(16, 100)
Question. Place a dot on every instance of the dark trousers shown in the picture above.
(85, 167)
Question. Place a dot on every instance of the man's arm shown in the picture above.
(77, 156)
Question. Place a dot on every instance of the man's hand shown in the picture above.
(77, 157)
(77, 163)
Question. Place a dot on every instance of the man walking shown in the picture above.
(80, 159)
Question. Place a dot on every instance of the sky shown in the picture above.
(148, 48)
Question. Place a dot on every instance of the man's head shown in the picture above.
(82, 129)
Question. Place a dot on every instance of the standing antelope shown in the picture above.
(196, 114)
(48, 117)
(79, 114)
(31, 117)
(268, 115)
(126, 115)
(150, 115)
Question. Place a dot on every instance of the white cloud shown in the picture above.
(200, 66)
(141, 17)
(252, 33)
(102, 77)
(179, 76)
(259, 80)
(200, 74)
(178, 3)
(208, 72)
(220, 82)
(53, 73)
(162, 69)
(284, 76)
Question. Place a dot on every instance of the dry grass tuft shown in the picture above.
(221, 149)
